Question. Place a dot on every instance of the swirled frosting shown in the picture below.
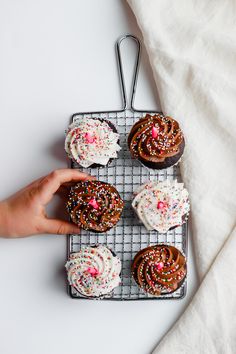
(159, 269)
(155, 138)
(162, 205)
(93, 271)
(94, 205)
(91, 141)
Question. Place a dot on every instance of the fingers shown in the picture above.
(65, 187)
(51, 183)
(60, 227)
(63, 192)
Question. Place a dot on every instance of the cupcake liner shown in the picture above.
(156, 170)
(152, 169)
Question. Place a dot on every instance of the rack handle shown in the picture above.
(128, 104)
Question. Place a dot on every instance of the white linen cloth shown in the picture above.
(192, 50)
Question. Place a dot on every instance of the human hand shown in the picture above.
(24, 213)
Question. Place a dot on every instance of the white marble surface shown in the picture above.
(57, 57)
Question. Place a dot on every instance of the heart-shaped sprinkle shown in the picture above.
(154, 132)
(160, 266)
(160, 205)
(92, 271)
(93, 203)
(89, 138)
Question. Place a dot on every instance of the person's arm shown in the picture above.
(24, 213)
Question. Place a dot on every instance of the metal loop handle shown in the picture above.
(128, 104)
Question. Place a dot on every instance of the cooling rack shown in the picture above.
(126, 174)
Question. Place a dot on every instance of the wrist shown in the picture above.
(4, 219)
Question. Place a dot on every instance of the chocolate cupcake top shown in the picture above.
(94, 205)
(154, 138)
(93, 271)
(159, 269)
(162, 205)
(91, 140)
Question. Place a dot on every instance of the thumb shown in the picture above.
(60, 227)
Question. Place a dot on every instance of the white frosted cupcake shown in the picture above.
(94, 271)
(92, 142)
(162, 206)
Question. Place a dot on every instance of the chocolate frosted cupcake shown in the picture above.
(159, 269)
(92, 142)
(94, 271)
(94, 205)
(156, 141)
(162, 206)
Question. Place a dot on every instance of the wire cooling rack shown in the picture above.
(126, 174)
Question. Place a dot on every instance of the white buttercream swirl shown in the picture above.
(90, 140)
(93, 271)
(161, 205)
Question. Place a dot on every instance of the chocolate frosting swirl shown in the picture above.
(94, 205)
(159, 269)
(155, 138)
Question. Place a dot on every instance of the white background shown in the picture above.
(57, 58)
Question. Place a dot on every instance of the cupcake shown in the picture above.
(162, 206)
(156, 141)
(159, 269)
(92, 142)
(94, 271)
(94, 205)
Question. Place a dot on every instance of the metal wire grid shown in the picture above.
(129, 236)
